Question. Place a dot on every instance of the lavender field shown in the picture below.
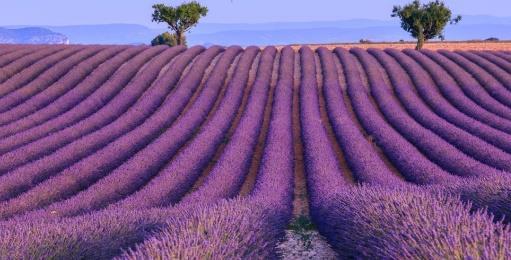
(209, 153)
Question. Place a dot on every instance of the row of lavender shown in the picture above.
(386, 217)
(98, 242)
(83, 153)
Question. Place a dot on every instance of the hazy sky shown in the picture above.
(66, 12)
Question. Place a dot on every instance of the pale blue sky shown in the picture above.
(68, 12)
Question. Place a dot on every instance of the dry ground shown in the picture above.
(448, 45)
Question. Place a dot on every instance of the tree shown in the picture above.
(425, 22)
(179, 19)
(167, 38)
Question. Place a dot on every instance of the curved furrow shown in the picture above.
(411, 163)
(341, 79)
(9, 48)
(7, 71)
(470, 86)
(430, 144)
(15, 55)
(360, 155)
(228, 174)
(99, 76)
(452, 91)
(503, 55)
(133, 174)
(480, 69)
(467, 143)
(21, 72)
(128, 177)
(111, 92)
(42, 82)
(339, 153)
(26, 50)
(94, 167)
(323, 174)
(300, 196)
(250, 178)
(37, 161)
(497, 67)
(274, 187)
(88, 148)
(180, 173)
(235, 121)
(30, 101)
(278, 153)
(425, 87)
(351, 110)
(320, 160)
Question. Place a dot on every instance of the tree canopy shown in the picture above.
(179, 19)
(425, 21)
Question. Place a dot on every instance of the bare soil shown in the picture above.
(447, 45)
(300, 202)
(251, 178)
(348, 175)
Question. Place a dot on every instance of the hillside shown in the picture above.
(31, 35)
(191, 153)
(278, 33)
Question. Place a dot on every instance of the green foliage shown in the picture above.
(425, 21)
(179, 19)
(167, 38)
(301, 223)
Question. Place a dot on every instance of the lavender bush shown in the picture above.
(73, 97)
(38, 170)
(476, 88)
(469, 144)
(406, 223)
(9, 74)
(440, 105)
(113, 90)
(145, 152)
(454, 93)
(49, 72)
(411, 163)
(64, 84)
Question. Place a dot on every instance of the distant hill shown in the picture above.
(471, 28)
(32, 35)
(309, 35)
(107, 33)
(333, 35)
(132, 34)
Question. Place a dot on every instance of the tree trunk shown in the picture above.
(420, 41)
(179, 38)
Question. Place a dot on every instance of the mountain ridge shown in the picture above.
(472, 27)
(31, 35)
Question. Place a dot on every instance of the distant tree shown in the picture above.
(492, 39)
(426, 21)
(179, 19)
(167, 38)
